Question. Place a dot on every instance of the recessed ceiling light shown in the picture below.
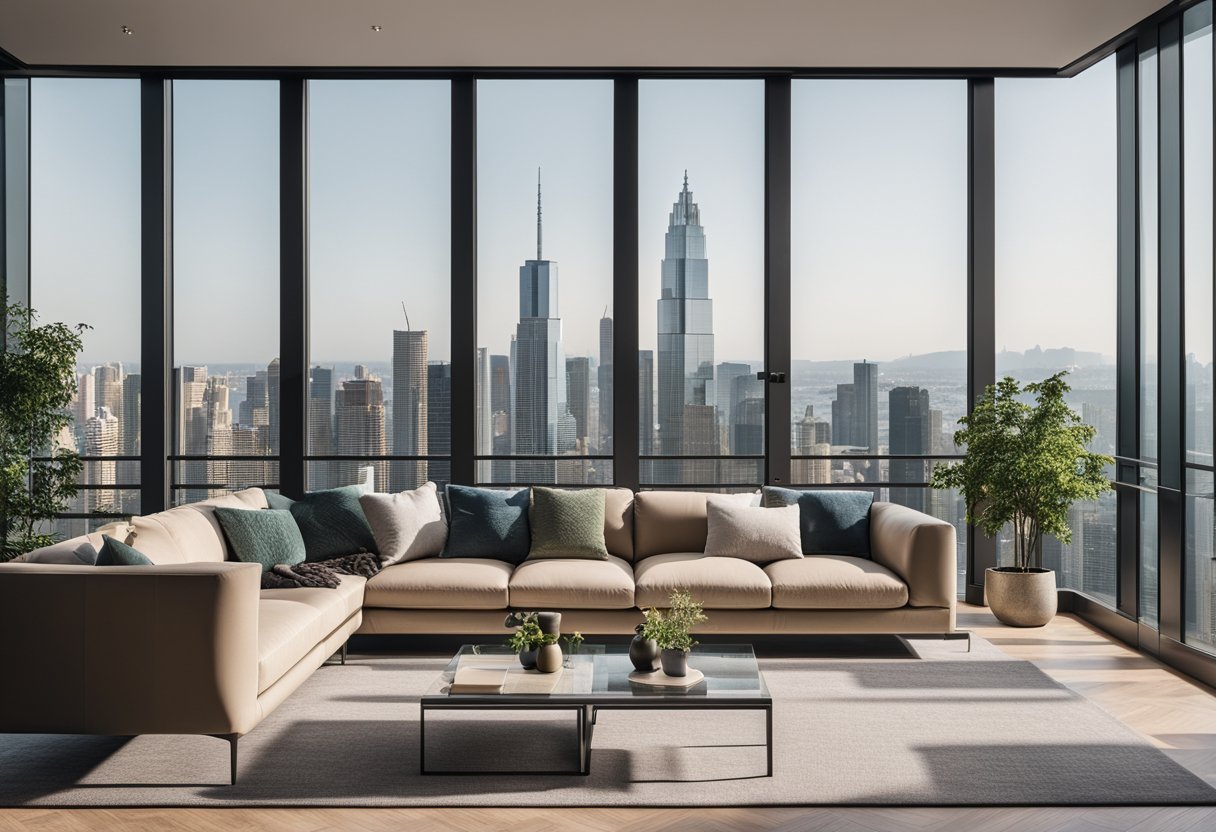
(376, 27)
(127, 30)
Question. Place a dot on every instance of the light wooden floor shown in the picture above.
(1176, 714)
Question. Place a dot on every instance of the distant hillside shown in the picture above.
(956, 360)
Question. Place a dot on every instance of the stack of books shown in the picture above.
(470, 679)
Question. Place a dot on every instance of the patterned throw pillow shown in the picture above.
(567, 524)
(487, 523)
(408, 525)
(331, 522)
(116, 553)
(752, 533)
(267, 537)
(834, 522)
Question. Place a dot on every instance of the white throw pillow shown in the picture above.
(74, 552)
(408, 525)
(753, 533)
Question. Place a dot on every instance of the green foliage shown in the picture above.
(1025, 464)
(671, 629)
(37, 384)
(527, 636)
(573, 642)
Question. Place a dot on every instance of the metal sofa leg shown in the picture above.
(344, 645)
(232, 741)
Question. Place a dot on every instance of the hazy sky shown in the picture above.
(879, 211)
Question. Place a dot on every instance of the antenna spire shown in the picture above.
(685, 179)
(407, 316)
(538, 229)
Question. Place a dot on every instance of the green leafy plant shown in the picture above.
(528, 636)
(671, 628)
(1026, 464)
(573, 642)
(37, 384)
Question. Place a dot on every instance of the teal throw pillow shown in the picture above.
(486, 523)
(331, 522)
(834, 521)
(116, 553)
(268, 537)
(567, 524)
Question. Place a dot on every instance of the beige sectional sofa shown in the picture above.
(192, 645)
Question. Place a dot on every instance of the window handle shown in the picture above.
(772, 378)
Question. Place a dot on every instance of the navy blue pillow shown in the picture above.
(834, 522)
(485, 523)
(116, 553)
(331, 522)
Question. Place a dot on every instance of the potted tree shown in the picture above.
(38, 473)
(671, 630)
(1025, 465)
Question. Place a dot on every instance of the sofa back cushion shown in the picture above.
(674, 521)
(618, 522)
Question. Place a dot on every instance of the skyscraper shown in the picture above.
(578, 392)
(646, 404)
(410, 407)
(320, 426)
(910, 424)
(439, 409)
(842, 415)
(483, 420)
(102, 438)
(724, 382)
(359, 417)
(500, 407)
(865, 406)
(128, 472)
(540, 364)
(685, 340)
(604, 380)
(812, 437)
(747, 431)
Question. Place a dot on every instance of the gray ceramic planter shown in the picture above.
(1021, 599)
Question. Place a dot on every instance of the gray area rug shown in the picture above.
(948, 728)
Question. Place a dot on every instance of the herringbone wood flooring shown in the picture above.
(1175, 713)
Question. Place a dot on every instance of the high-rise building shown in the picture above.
(747, 431)
(439, 409)
(865, 406)
(255, 408)
(128, 472)
(483, 415)
(501, 396)
(685, 340)
(578, 393)
(812, 437)
(605, 382)
(191, 429)
(910, 423)
(646, 404)
(109, 389)
(842, 415)
(272, 406)
(84, 406)
(724, 383)
(410, 407)
(102, 438)
(320, 426)
(359, 426)
(539, 364)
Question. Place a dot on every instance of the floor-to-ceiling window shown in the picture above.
(879, 287)
(84, 204)
(379, 213)
(701, 282)
(225, 225)
(1147, 346)
(1197, 111)
(544, 281)
(1056, 278)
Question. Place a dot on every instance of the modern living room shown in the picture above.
(622, 416)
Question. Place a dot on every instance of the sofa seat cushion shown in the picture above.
(835, 582)
(441, 583)
(567, 583)
(292, 622)
(718, 583)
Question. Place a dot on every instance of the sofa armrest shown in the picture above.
(920, 549)
(129, 650)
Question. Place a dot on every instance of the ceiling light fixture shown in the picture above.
(376, 27)
(127, 30)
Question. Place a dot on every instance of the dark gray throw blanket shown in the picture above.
(321, 573)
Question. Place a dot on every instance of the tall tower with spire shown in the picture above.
(686, 400)
(541, 416)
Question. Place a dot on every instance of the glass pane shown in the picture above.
(1197, 230)
(225, 284)
(701, 203)
(544, 198)
(1201, 560)
(1056, 249)
(1148, 332)
(85, 267)
(379, 280)
(1148, 547)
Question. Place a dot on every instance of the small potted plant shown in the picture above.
(1026, 464)
(574, 645)
(530, 643)
(671, 631)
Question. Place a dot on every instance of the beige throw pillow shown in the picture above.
(407, 526)
(752, 533)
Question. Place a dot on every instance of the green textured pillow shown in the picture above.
(116, 553)
(267, 537)
(331, 522)
(567, 524)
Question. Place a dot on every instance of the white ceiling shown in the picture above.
(564, 33)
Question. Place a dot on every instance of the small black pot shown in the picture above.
(675, 662)
(528, 658)
(644, 653)
(550, 623)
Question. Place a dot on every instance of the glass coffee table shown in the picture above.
(596, 679)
